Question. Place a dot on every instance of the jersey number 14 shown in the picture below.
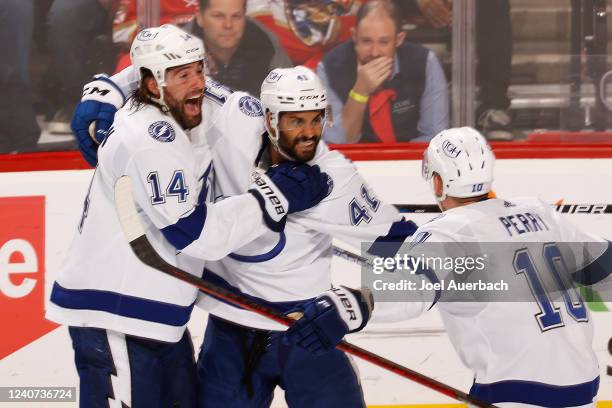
(177, 187)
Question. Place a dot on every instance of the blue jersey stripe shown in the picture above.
(433, 278)
(281, 307)
(535, 393)
(597, 270)
(189, 228)
(122, 305)
(280, 245)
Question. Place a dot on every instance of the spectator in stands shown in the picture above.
(494, 52)
(240, 51)
(306, 29)
(80, 43)
(18, 128)
(381, 87)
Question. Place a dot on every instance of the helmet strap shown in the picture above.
(441, 198)
(274, 137)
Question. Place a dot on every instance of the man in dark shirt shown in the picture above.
(240, 51)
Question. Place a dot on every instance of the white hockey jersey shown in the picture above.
(101, 283)
(282, 270)
(537, 351)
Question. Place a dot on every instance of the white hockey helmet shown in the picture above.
(291, 90)
(463, 159)
(163, 47)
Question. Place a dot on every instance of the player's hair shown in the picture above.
(388, 6)
(141, 96)
(203, 4)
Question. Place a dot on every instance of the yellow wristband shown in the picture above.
(358, 97)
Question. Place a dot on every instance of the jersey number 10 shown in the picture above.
(550, 315)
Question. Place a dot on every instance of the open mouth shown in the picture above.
(193, 105)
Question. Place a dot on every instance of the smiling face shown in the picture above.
(300, 133)
(183, 93)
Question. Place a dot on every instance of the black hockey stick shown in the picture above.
(559, 207)
(144, 251)
(350, 256)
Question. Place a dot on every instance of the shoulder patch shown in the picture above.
(162, 131)
(250, 106)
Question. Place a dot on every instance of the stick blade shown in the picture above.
(126, 209)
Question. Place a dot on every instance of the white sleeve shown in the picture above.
(388, 312)
(352, 212)
(409, 289)
(199, 229)
(126, 80)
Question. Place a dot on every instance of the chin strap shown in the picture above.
(439, 199)
(160, 101)
(276, 146)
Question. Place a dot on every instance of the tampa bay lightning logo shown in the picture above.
(146, 35)
(162, 131)
(250, 106)
(273, 77)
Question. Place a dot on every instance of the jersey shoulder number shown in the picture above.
(216, 91)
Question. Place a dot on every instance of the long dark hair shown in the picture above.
(141, 96)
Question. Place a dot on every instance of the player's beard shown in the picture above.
(301, 154)
(178, 111)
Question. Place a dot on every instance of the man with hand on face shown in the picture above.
(383, 88)
(126, 320)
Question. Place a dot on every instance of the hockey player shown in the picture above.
(127, 321)
(242, 359)
(285, 270)
(534, 352)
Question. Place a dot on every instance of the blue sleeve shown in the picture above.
(434, 116)
(335, 133)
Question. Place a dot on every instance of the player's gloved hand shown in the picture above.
(329, 317)
(287, 188)
(94, 115)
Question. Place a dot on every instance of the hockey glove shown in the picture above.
(287, 188)
(94, 115)
(329, 317)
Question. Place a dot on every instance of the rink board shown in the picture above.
(36, 353)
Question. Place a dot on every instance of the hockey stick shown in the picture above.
(559, 207)
(417, 208)
(135, 234)
(350, 256)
